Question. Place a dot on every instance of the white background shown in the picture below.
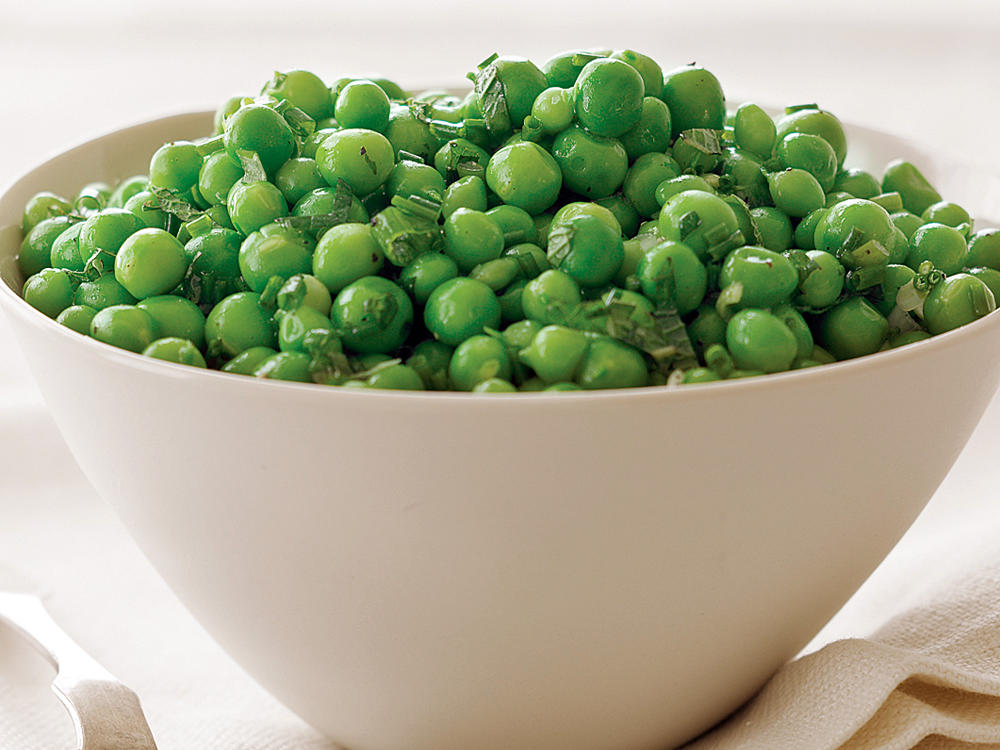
(70, 71)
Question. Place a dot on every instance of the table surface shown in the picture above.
(76, 70)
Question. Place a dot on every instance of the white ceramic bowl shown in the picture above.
(546, 571)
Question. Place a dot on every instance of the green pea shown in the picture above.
(906, 222)
(587, 249)
(524, 175)
(176, 317)
(857, 182)
(408, 133)
(944, 246)
(373, 314)
(700, 220)
(227, 108)
(896, 277)
(522, 82)
(700, 375)
(36, 248)
(476, 359)
(295, 325)
(465, 192)
(495, 385)
(238, 323)
(346, 253)
(460, 308)
(811, 153)
(758, 340)
(746, 178)
(852, 329)
(291, 366)
(305, 290)
(175, 166)
(411, 178)
(471, 237)
(795, 192)
(900, 248)
(611, 364)
(609, 95)
(767, 278)
(77, 318)
(624, 212)
(126, 189)
(247, 361)
(909, 337)
(671, 274)
(563, 69)
(804, 237)
(255, 204)
(258, 128)
(849, 218)
(173, 349)
(957, 300)
(671, 187)
(41, 206)
(837, 196)
(555, 353)
(648, 69)
(393, 90)
(395, 378)
(904, 178)
(707, 328)
(104, 291)
(430, 360)
(213, 266)
(143, 205)
(692, 155)
(363, 159)
(774, 226)
(652, 133)
(516, 224)
(460, 157)
(554, 109)
(591, 165)
(822, 287)
(815, 122)
(425, 273)
(274, 250)
(49, 291)
(105, 232)
(297, 177)
(312, 141)
(642, 179)
(695, 99)
(754, 130)
(324, 200)
(984, 249)
(497, 274)
(551, 297)
(124, 326)
(795, 323)
(301, 89)
(362, 104)
(92, 198)
(989, 276)
(150, 262)
(949, 214)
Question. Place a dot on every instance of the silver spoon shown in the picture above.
(107, 715)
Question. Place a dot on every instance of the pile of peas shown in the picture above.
(590, 223)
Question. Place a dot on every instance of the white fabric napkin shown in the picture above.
(929, 677)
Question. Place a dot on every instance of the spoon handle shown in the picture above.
(106, 714)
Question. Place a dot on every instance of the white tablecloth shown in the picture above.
(74, 70)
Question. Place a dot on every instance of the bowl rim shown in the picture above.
(14, 303)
